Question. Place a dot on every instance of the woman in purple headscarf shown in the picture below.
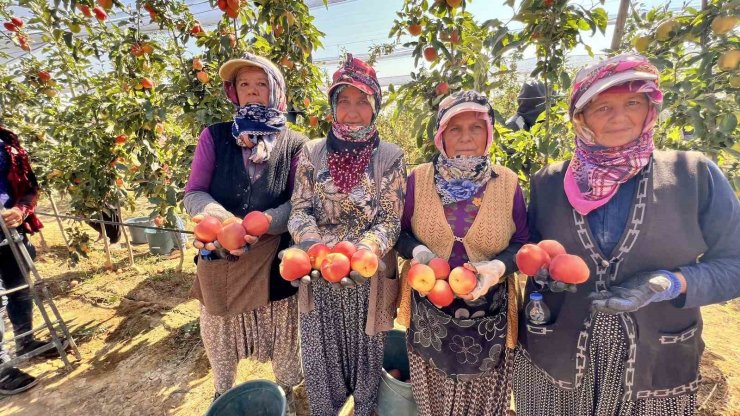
(349, 187)
(659, 232)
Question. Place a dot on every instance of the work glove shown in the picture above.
(489, 274)
(637, 292)
(543, 279)
(422, 254)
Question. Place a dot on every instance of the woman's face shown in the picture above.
(354, 107)
(616, 118)
(252, 86)
(465, 135)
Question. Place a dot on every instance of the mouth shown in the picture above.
(619, 131)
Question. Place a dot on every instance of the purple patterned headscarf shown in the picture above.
(595, 172)
(350, 148)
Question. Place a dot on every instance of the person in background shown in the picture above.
(19, 193)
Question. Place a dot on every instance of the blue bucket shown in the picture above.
(394, 396)
(160, 242)
(253, 398)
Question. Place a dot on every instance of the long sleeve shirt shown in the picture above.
(201, 173)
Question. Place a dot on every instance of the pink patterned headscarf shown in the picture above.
(596, 172)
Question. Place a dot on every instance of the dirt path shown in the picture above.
(142, 355)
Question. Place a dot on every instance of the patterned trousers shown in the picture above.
(601, 391)
(267, 333)
(339, 359)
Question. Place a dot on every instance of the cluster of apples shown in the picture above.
(334, 263)
(551, 255)
(230, 234)
(439, 282)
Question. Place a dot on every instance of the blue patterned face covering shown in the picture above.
(459, 178)
(257, 127)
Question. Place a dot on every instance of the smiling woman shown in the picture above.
(636, 322)
(616, 116)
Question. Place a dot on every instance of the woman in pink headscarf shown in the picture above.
(659, 232)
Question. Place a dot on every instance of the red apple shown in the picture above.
(10, 27)
(294, 264)
(344, 247)
(146, 83)
(421, 278)
(454, 37)
(207, 229)
(121, 139)
(440, 267)
(430, 53)
(100, 13)
(197, 64)
(552, 247)
(364, 262)
(318, 253)
(395, 373)
(462, 281)
(106, 4)
(442, 88)
(335, 267)
(441, 294)
(203, 77)
(256, 223)
(531, 258)
(568, 268)
(415, 29)
(85, 10)
(232, 236)
(44, 76)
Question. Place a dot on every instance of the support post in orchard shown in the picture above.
(619, 24)
(128, 242)
(59, 220)
(104, 233)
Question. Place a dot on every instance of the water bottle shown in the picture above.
(537, 312)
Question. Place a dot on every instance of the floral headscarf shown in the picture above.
(349, 148)
(459, 178)
(255, 125)
(595, 172)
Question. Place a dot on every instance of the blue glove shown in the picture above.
(637, 292)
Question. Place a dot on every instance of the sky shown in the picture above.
(355, 25)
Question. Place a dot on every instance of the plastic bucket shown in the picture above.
(254, 398)
(160, 242)
(394, 396)
(137, 234)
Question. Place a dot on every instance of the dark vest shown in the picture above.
(662, 232)
(232, 188)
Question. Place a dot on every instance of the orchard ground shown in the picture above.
(142, 355)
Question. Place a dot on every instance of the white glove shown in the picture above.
(422, 254)
(489, 274)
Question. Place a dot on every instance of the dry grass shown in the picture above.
(141, 350)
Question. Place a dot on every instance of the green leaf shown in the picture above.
(728, 123)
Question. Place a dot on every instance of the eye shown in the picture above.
(602, 109)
